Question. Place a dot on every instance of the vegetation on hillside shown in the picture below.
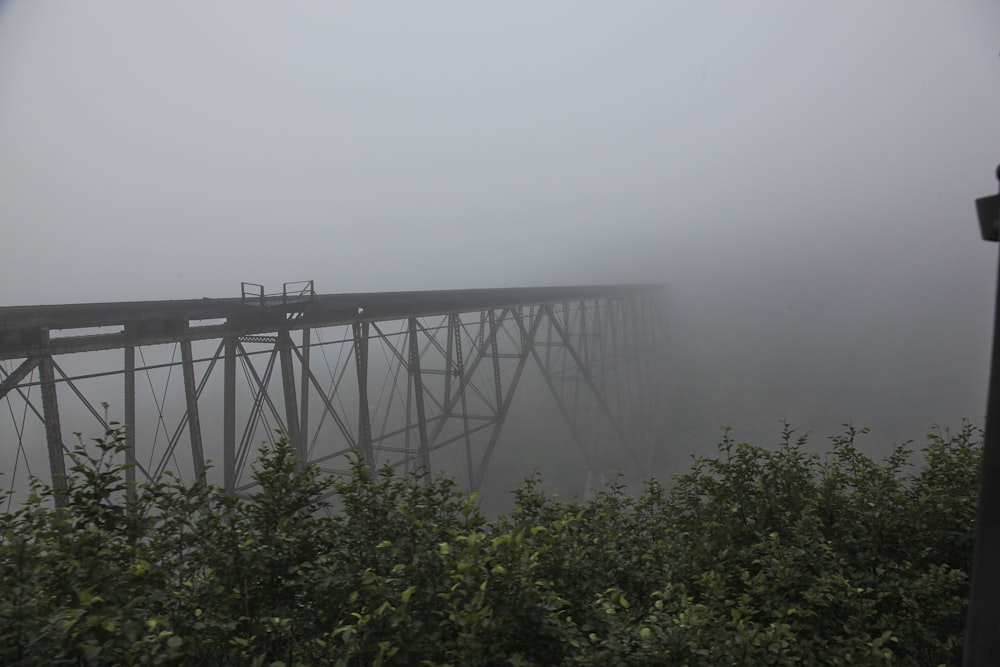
(757, 556)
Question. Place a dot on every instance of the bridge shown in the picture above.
(404, 379)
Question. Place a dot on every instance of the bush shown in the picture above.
(756, 556)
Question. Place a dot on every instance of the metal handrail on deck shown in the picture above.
(293, 291)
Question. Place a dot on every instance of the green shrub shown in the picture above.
(756, 556)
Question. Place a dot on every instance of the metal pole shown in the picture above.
(130, 421)
(982, 629)
(288, 391)
(229, 417)
(194, 420)
(53, 430)
(456, 331)
(449, 365)
(364, 418)
(495, 349)
(418, 396)
(304, 395)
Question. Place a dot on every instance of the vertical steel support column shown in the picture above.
(582, 345)
(453, 325)
(601, 352)
(519, 318)
(229, 416)
(288, 390)
(456, 331)
(304, 394)
(418, 395)
(194, 420)
(130, 421)
(409, 426)
(548, 346)
(495, 349)
(53, 430)
(364, 418)
(614, 312)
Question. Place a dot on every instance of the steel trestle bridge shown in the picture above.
(397, 378)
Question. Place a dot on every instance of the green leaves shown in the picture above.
(759, 556)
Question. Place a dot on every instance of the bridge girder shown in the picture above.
(447, 365)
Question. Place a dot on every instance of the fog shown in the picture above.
(800, 175)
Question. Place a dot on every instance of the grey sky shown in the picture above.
(800, 173)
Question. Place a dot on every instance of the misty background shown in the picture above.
(800, 175)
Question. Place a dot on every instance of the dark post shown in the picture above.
(229, 416)
(288, 389)
(982, 626)
(364, 417)
(130, 421)
(304, 397)
(194, 420)
(413, 366)
(53, 430)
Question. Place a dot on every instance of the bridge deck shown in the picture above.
(24, 330)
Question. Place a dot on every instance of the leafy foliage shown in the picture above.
(756, 556)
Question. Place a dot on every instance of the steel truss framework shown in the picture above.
(397, 379)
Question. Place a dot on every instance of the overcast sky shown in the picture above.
(801, 174)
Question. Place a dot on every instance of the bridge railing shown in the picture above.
(253, 293)
(298, 290)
